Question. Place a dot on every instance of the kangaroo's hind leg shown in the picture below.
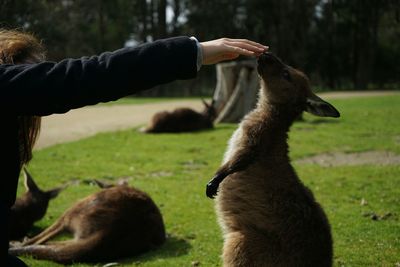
(243, 249)
(75, 250)
(50, 232)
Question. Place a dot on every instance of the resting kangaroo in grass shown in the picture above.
(182, 120)
(119, 221)
(268, 217)
(29, 208)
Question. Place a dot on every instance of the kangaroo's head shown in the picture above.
(286, 85)
(36, 198)
(29, 208)
(209, 110)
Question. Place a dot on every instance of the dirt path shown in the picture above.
(85, 122)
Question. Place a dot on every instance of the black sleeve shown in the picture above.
(49, 87)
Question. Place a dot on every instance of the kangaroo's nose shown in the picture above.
(268, 58)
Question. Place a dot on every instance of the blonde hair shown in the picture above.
(17, 47)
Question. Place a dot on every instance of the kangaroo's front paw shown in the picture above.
(212, 189)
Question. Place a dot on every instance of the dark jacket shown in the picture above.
(47, 88)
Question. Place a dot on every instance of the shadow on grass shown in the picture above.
(173, 247)
(177, 132)
(320, 121)
(224, 126)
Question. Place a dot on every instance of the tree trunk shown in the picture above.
(143, 19)
(152, 19)
(162, 19)
(236, 90)
(177, 13)
(367, 22)
(101, 26)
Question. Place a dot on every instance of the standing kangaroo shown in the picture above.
(29, 208)
(268, 217)
(119, 221)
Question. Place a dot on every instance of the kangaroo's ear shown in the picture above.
(29, 183)
(54, 192)
(205, 103)
(212, 102)
(315, 105)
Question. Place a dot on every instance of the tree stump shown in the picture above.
(236, 91)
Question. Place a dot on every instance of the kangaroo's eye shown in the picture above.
(286, 75)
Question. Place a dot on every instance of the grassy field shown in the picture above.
(174, 169)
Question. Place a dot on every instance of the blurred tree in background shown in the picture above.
(340, 44)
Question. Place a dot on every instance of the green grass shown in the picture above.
(174, 168)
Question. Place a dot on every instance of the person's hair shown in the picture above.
(17, 47)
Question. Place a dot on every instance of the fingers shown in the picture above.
(245, 47)
(243, 43)
(245, 51)
(249, 47)
(229, 56)
(222, 49)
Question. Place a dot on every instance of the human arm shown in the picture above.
(56, 87)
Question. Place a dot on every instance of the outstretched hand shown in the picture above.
(226, 49)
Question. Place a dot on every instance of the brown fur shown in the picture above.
(182, 120)
(29, 208)
(119, 221)
(268, 217)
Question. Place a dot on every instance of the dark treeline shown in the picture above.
(340, 44)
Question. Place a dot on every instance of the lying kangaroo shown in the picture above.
(182, 120)
(119, 221)
(268, 217)
(29, 208)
